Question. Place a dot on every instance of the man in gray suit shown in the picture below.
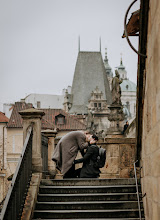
(67, 149)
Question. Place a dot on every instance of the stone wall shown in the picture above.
(151, 118)
(131, 130)
(120, 157)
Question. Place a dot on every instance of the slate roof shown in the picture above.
(89, 73)
(3, 118)
(15, 120)
(48, 120)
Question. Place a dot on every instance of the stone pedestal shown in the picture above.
(51, 134)
(116, 118)
(34, 116)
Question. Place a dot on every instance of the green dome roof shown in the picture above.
(128, 86)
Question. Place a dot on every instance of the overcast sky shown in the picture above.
(39, 42)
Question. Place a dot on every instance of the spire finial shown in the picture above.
(106, 53)
(106, 58)
(100, 44)
(121, 59)
(79, 43)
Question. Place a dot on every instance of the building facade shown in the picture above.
(148, 112)
(3, 155)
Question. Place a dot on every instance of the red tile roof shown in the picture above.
(15, 120)
(48, 120)
(3, 118)
(71, 122)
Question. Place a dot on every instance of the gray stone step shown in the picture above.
(86, 181)
(87, 189)
(80, 199)
(99, 219)
(89, 205)
(87, 197)
(74, 214)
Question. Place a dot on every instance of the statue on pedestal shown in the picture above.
(116, 115)
(116, 89)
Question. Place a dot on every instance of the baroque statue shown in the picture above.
(116, 89)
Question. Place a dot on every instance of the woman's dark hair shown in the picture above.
(95, 137)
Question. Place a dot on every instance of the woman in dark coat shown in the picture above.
(89, 170)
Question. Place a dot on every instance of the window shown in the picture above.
(99, 105)
(127, 87)
(38, 104)
(95, 105)
(134, 108)
(60, 120)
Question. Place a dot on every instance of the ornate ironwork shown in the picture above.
(126, 33)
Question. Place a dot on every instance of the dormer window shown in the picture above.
(60, 119)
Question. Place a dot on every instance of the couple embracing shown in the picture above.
(66, 151)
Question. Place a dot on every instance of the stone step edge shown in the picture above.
(87, 187)
(86, 194)
(96, 219)
(90, 179)
(86, 202)
(87, 211)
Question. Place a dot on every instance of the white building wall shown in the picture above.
(131, 98)
(46, 101)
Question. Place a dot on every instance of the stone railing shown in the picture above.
(120, 157)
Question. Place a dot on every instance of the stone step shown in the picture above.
(87, 197)
(87, 189)
(88, 205)
(97, 219)
(74, 214)
(88, 181)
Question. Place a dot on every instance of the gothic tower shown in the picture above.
(89, 74)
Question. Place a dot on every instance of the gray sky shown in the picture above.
(39, 42)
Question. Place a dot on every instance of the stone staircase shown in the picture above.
(114, 199)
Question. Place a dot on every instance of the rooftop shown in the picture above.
(3, 118)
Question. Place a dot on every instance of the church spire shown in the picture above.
(121, 63)
(106, 58)
(100, 44)
(121, 69)
(107, 66)
(79, 44)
